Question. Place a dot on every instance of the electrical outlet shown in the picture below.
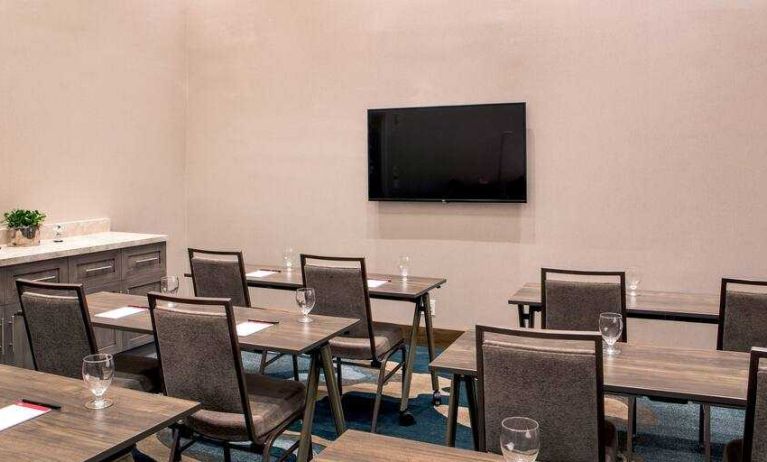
(433, 306)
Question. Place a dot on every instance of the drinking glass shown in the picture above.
(169, 285)
(404, 266)
(611, 327)
(288, 255)
(305, 300)
(633, 276)
(98, 371)
(520, 440)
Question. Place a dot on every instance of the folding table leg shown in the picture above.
(707, 432)
(630, 429)
(405, 417)
(471, 393)
(312, 381)
(333, 393)
(452, 410)
(436, 398)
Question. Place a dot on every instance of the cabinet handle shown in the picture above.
(48, 278)
(13, 331)
(147, 260)
(100, 268)
(2, 335)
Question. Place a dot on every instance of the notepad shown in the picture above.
(18, 413)
(373, 283)
(251, 327)
(118, 313)
(260, 273)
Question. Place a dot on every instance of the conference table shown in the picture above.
(355, 446)
(287, 335)
(646, 304)
(75, 433)
(712, 377)
(413, 289)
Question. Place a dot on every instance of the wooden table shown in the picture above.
(709, 377)
(646, 304)
(75, 433)
(287, 336)
(413, 289)
(354, 446)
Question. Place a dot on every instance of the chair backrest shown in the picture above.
(742, 316)
(340, 287)
(755, 432)
(199, 353)
(576, 304)
(58, 326)
(219, 274)
(553, 377)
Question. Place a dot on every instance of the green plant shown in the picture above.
(18, 218)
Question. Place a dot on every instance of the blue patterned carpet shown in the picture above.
(671, 435)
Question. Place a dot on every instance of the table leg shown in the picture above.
(630, 429)
(405, 417)
(522, 316)
(452, 410)
(312, 381)
(333, 394)
(471, 393)
(436, 398)
(707, 432)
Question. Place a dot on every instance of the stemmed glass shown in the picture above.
(520, 439)
(404, 266)
(611, 327)
(305, 299)
(169, 285)
(633, 278)
(98, 371)
(288, 255)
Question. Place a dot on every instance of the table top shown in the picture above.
(707, 376)
(75, 433)
(645, 304)
(396, 287)
(287, 336)
(355, 446)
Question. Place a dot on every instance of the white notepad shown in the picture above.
(18, 413)
(373, 283)
(251, 327)
(260, 273)
(118, 313)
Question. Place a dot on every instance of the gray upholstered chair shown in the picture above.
(553, 377)
(221, 274)
(340, 286)
(753, 446)
(200, 360)
(576, 304)
(60, 335)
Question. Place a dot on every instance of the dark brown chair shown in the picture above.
(553, 377)
(753, 446)
(340, 286)
(221, 274)
(60, 335)
(576, 305)
(200, 360)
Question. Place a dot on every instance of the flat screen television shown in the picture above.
(471, 153)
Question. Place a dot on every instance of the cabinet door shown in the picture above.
(16, 341)
(139, 286)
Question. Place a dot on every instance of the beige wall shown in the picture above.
(646, 137)
(92, 101)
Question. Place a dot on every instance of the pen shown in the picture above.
(267, 322)
(40, 403)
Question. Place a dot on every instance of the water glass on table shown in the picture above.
(633, 278)
(404, 266)
(305, 299)
(611, 328)
(169, 285)
(98, 371)
(520, 439)
(288, 256)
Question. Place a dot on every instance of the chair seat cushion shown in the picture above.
(387, 336)
(272, 402)
(733, 452)
(137, 373)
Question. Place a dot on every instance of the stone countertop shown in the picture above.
(75, 245)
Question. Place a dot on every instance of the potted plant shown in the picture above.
(24, 226)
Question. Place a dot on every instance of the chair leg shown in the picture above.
(227, 453)
(295, 368)
(175, 447)
(339, 377)
(700, 425)
(379, 393)
(267, 449)
(262, 366)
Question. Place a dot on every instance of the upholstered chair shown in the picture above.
(753, 446)
(340, 286)
(221, 274)
(60, 335)
(200, 360)
(742, 315)
(553, 377)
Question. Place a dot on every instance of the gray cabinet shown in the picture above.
(134, 270)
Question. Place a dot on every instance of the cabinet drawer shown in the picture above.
(95, 269)
(42, 271)
(147, 259)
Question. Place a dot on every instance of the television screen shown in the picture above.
(451, 153)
